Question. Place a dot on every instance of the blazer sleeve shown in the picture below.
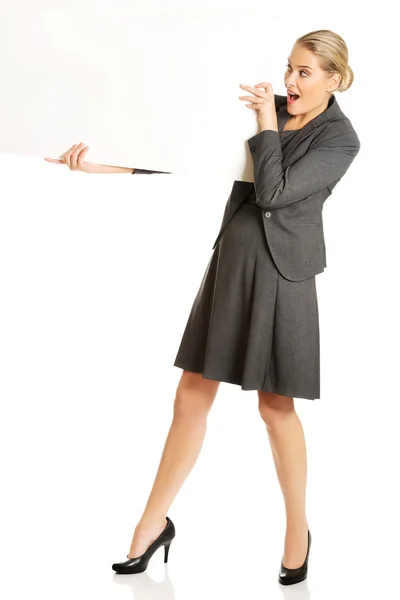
(322, 165)
(147, 172)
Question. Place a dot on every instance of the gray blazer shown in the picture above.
(291, 188)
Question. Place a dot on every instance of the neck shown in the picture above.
(299, 121)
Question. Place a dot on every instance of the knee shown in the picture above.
(191, 403)
(274, 409)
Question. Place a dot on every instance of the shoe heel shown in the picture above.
(139, 564)
(290, 576)
(166, 551)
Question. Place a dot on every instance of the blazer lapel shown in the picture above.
(282, 116)
(242, 189)
(332, 111)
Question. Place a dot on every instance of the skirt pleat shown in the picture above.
(248, 325)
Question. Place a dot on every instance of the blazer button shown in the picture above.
(267, 215)
(252, 148)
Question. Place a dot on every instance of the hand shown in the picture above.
(262, 101)
(75, 159)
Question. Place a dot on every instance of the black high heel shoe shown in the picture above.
(289, 576)
(138, 564)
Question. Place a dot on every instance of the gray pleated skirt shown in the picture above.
(249, 325)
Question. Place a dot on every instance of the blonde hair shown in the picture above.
(332, 52)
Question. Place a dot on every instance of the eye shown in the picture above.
(302, 71)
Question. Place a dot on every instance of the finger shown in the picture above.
(249, 88)
(256, 92)
(54, 160)
(80, 158)
(74, 155)
(71, 149)
(71, 154)
(82, 155)
(67, 155)
(269, 92)
(252, 99)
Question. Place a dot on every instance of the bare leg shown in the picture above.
(194, 398)
(288, 447)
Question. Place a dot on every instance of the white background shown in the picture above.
(97, 277)
(151, 84)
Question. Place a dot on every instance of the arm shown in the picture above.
(322, 165)
(146, 172)
(113, 169)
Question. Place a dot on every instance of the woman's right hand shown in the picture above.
(75, 159)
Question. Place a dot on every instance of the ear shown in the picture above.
(334, 82)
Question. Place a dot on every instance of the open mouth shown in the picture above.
(293, 97)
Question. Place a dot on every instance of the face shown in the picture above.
(304, 77)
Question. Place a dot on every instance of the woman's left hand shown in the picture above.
(262, 101)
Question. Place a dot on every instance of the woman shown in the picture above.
(254, 321)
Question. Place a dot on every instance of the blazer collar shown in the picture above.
(331, 113)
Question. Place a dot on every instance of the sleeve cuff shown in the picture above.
(265, 136)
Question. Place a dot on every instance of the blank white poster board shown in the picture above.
(144, 84)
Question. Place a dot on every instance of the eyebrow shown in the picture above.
(306, 66)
